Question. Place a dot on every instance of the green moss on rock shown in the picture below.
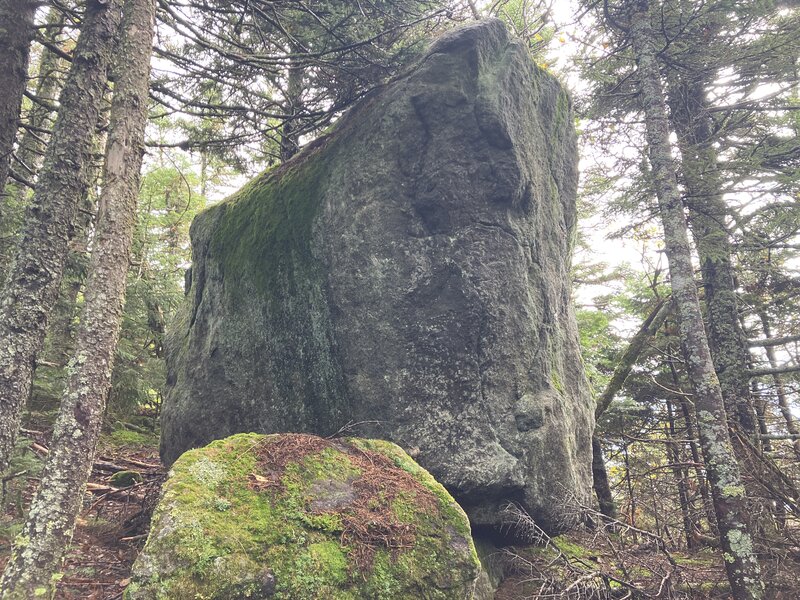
(296, 516)
(123, 479)
(264, 239)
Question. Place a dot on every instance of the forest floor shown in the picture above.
(113, 525)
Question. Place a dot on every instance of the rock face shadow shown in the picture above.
(410, 272)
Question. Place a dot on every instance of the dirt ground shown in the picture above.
(112, 526)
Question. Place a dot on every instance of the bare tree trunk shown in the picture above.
(707, 217)
(16, 33)
(681, 476)
(41, 546)
(728, 492)
(625, 364)
(631, 497)
(602, 488)
(31, 145)
(634, 350)
(32, 287)
(702, 484)
(41, 114)
(780, 389)
(290, 131)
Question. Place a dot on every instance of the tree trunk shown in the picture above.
(635, 347)
(41, 114)
(32, 287)
(49, 527)
(16, 33)
(681, 476)
(780, 389)
(723, 471)
(631, 497)
(625, 364)
(702, 484)
(60, 338)
(290, 131)
(602, 488)
(708, 214)
(32, 144)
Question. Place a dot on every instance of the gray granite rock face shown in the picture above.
(408, 272)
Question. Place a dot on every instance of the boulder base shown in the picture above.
(299, 517)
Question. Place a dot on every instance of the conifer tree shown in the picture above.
(32, 287)
(723, 471)
(40, 548)
(16, 33)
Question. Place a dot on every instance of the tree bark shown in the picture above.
(648, 329)
(723, 471)
(681, 475)
(16, 33)
(602, 488)
(290, 134)
(32, 143)
(702, 484)
(32, 287)
(41, 546)
(780, 388)
(41, 114)
(707, 217)
(60, 338)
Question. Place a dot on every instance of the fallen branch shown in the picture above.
(113, 492)
(134, 462)
(96, 488)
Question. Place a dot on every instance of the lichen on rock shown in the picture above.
(298, 517)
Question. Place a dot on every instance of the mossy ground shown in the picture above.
(297, 516)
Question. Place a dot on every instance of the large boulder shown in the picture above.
(407, 272)
(298, 517)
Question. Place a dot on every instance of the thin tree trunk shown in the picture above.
(625, 364)
(681, 476)
(723, 471)
(780, 389)
(32, 144)
(16, 33)
(602, 488)
(631, 497)
(51, 521)
(760, 404)
(290, 134)
(702, 484)
(32, 287)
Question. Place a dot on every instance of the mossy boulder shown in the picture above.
(299, 517)
(123, 479)
(408, 272)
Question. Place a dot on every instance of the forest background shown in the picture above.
(239, 86)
